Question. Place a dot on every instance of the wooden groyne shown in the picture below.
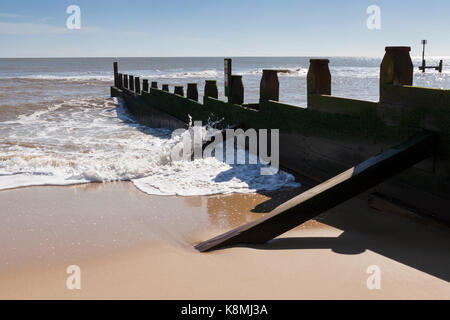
(331, 134)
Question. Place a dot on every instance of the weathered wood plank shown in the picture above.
(328, 194)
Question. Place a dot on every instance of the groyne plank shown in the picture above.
(340, 105)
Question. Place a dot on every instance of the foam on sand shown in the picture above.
(95, 140)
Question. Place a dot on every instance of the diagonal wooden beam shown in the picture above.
(328, 194)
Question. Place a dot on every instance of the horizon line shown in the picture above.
(212, 56)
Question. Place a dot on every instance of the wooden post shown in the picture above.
(318, 78)
(137, 85)
(165, 87)
(179, 90)
(329, 194)
(131, 82)
(116, 74)
(192, 91)
(154, 85)
(424, 64)
(125, 81)
(145, 85)
(119, 80)
(396, 69)
(270, 86)
(236, 94)
(228, 73)
(211, 89)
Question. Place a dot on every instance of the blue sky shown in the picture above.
(220, 28)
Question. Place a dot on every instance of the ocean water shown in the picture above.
(58, 125)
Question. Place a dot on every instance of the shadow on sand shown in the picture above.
(422, 247)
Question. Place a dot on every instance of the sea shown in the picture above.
(59, 125)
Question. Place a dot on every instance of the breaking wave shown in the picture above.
(95, 140)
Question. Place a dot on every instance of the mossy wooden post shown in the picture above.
(137, 85)
(145, 85)
(116, 74)
(179, 90)
(211, 89)
(119, 80)
(131, 82)
(236, 94)
(396, 69)
(318, 78)
(270, 86)
(154, 85)
(165, 87)
(125, 81)
(192, 91)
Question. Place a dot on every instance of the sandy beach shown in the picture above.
(130, 245)
(240, 156)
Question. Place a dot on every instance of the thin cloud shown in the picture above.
(135, 33)
(7, 28)
(19, 16)
(12, 15)
(29, 29)
(44, 19)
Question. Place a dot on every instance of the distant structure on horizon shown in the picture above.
(423, 67)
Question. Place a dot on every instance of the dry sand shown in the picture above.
(133, 246)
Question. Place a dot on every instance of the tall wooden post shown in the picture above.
(192, 91)
(424, 64)
(211, 89)
(396, 69)
(145, 85)
(116, 74)
(270, 86)
(318, 78)
(137, 85)
(119, 80)
(125, 81)
(131, 82)
(154, 85)
(165, 87)
(228, 73)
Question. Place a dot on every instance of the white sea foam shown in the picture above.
(283, 72)
(210, 176)
(93, 140)
(357, 72)
(103, 77)
(211, 73)
(66, 78)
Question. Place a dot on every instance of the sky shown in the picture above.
(176, 28)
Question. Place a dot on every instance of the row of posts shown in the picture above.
(132, 83)
(396, 69)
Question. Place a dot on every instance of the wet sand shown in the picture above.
(133, 246)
